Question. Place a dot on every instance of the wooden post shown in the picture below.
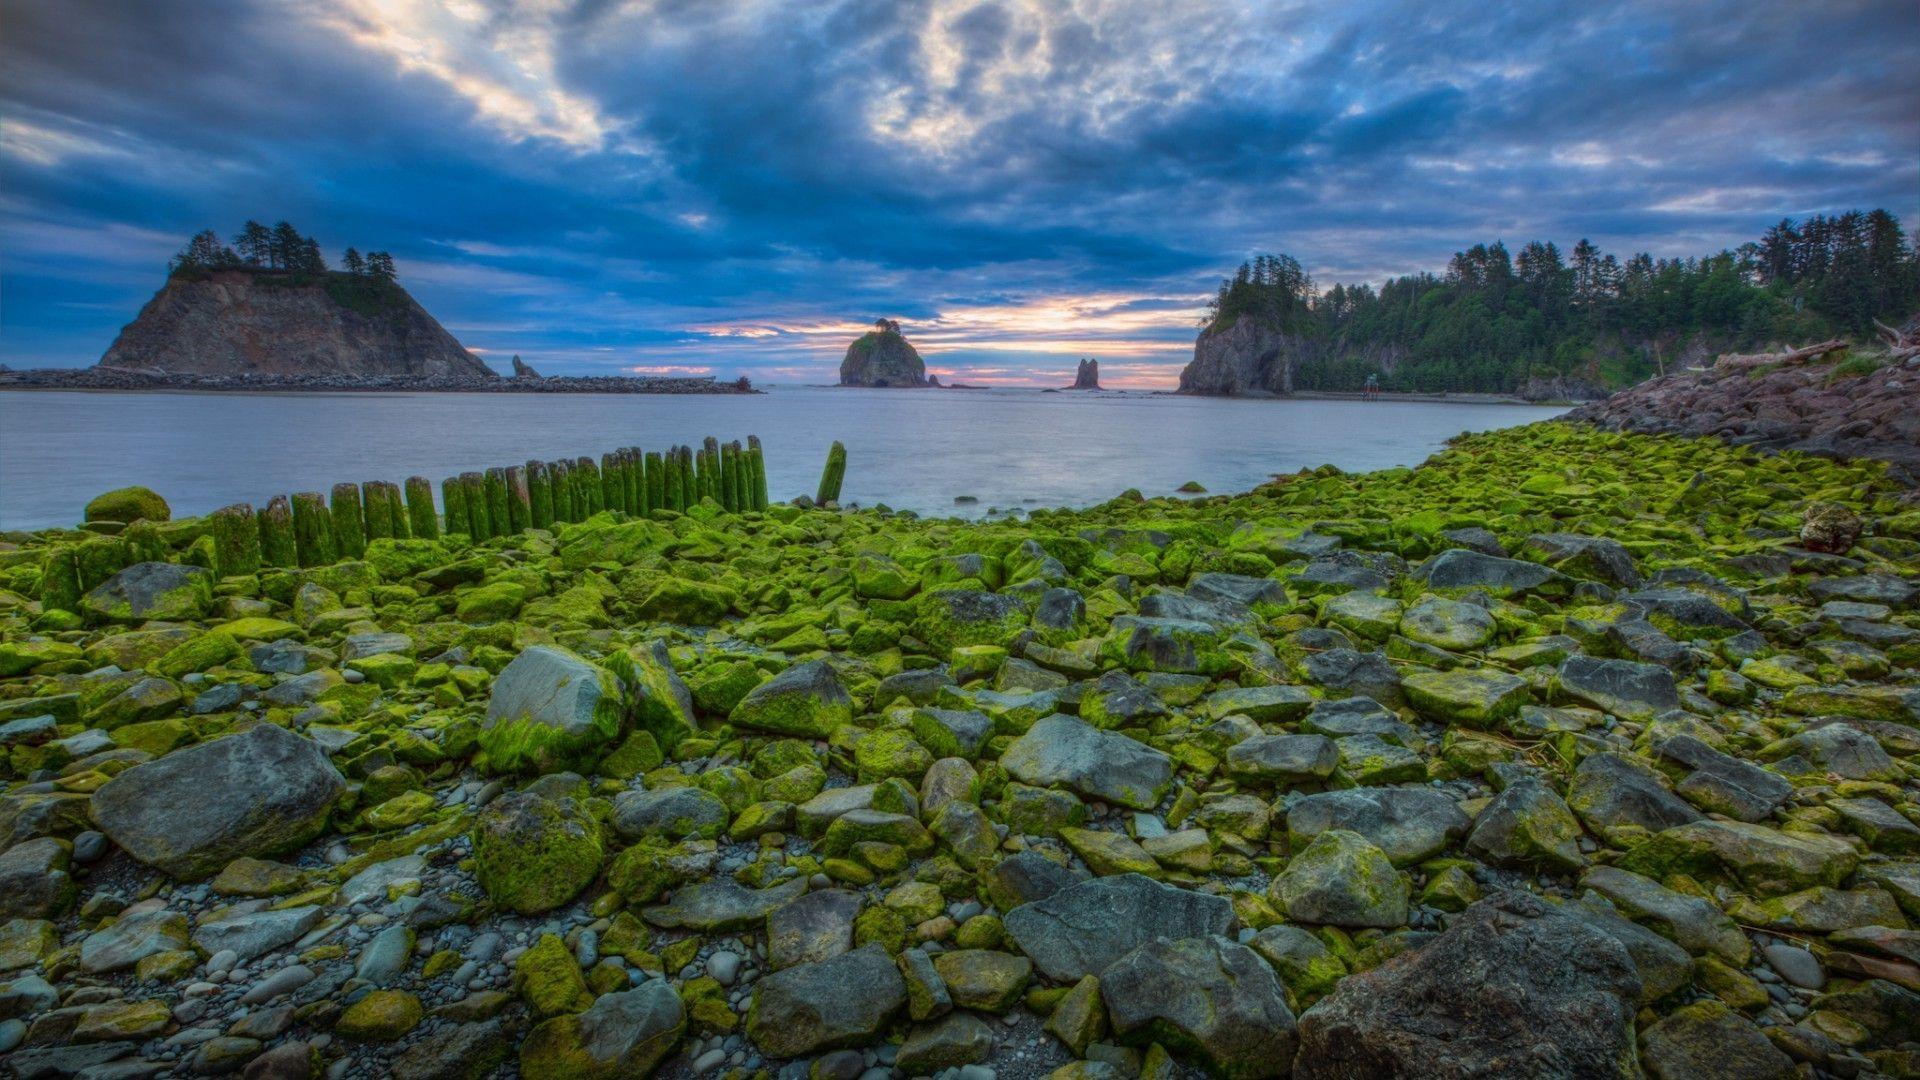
(587, 478)
(613, 489)
(499, 505)
(276, 534)
(312, 529)
(689, 488)
(473, 486)
(236, 540)
(636, 481)
(759, 479)
(560, 478)
(453, 499)
(832, 475)
(420, 516)
(656, 482)
(519, 499)
(539, 495)
(349, 522)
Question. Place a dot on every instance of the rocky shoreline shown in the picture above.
(127, 379)
(1566, 753)
(1828, 407)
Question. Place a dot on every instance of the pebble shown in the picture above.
(1796, 965)
(724, 967)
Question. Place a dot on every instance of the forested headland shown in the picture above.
(1496, 320)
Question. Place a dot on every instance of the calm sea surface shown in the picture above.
(914, 450)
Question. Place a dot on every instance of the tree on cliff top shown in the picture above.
(1271, 288)
(282, 249)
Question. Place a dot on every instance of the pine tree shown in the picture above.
(284, 246)
(254, 243)
(203, 252)
(353, 262)
(380, 266)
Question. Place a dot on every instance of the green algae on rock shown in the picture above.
(819, 781)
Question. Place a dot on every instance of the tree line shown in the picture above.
(281, 248)
(1496, 319)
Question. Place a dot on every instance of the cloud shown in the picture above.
(741, 188)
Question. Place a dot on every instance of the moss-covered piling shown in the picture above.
(832, 475)
(276, 534)
(312, 529)
(421, 519)
(236, 540)
(349, 521)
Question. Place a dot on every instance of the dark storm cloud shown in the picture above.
(737, 186)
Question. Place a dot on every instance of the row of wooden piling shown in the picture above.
(308, 529)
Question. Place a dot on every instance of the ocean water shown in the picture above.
(911, 449)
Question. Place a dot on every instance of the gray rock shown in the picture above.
(1097, 764)
(34, 879)
(1210, 996)
(1611, 791)
(385, 957)
(844, 1001)
(1527, 825)
(1697, 925)
(677, 813)
(1514, 987)
(1410, 825)
(722, 904)
(151, 590)
(457, 1052)
(550, 710)
(140, 932)
(1358, 715)
(1283, 759)
(260, 792)
(812, 928)
(1458, 568)
(1721, 783)
(1596, 558)
(1796, 965)
(1622, 687)
(1080, 929)
(1341, 879)
(956, 1039)
(255, 933)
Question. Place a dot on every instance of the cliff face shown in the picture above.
(1247, 359)
(882, 357)
(235, 322)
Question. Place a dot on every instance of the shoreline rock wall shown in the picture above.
(1817, 408)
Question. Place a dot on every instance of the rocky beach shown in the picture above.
(1567, 753)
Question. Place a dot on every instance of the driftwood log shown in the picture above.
(1904, 343)
(1742, 362)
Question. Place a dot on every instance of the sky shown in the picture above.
(740, 187)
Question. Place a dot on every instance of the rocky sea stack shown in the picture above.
(882, 357)
(249, 321)
(1086, 376)
(1246, 358)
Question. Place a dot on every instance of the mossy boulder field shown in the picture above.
(1565, 754)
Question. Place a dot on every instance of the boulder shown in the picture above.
(534, 853)
(807, 700)
(1409, 825)
(1527, 825)
(151, 591)
(128, 504)
(1211, 998)
(620, 1035)
(1613, 792)
(261, 792)
(1514, 987)
(842, 1001)
(1080, 929)
(1097, 764)
(1629, 690)
(551, 711)
(1341, 879)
